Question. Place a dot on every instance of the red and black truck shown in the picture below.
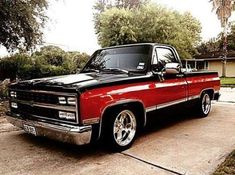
(111, 96)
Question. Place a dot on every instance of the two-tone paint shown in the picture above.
(97, 92)
(152, 94)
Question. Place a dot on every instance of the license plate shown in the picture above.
(30, 129)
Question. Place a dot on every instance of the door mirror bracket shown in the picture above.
(159, 74)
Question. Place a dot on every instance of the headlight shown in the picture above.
(13, 94)
(62, 100)
(14, 105)
(67, 115)
(67, 100)
(71, 101)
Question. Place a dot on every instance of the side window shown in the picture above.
(165, 56)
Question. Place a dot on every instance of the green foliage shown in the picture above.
(49, 61)
(116, 27)
(214, 47)
(102, 5)
(21, 23)
(51, 55)
(11, 66)
(149, 23)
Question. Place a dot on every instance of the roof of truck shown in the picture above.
(136, 44)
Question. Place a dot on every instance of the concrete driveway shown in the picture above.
(177, 144)
(227, 95)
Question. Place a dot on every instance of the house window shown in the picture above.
(205, 64)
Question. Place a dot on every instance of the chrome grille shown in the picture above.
(37, 97)
(43, 105)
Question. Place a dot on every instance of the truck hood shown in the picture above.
(81, 80)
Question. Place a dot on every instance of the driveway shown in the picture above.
(227, 95)
(174, 144)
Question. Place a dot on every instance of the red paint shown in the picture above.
(149, 93)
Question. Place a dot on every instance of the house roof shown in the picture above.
(210, 59)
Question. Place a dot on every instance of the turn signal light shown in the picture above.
(67, 115)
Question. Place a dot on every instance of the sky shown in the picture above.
(71, 22)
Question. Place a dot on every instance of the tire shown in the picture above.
(120, 129)
(204, 105)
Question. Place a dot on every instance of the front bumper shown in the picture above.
(78, 135)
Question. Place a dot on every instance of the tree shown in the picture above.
(224, 10)
(161, 25)
(215, 46)
(102, 5)
(51, 55)
(77, 60)
(21, 22)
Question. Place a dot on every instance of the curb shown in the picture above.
(228, 85)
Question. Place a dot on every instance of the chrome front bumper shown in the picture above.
(78, 135)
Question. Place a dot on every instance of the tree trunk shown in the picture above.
(225, 52)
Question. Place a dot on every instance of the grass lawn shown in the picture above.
(227, 167)
(227, 81)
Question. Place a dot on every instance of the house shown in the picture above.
(224, 68)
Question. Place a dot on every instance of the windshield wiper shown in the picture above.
(116, 69)
(91, 70)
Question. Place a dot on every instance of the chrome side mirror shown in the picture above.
(172, 68)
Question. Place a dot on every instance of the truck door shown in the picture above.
(173, 88)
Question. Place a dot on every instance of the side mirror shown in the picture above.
(172, 68)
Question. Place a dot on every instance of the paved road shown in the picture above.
(181, 144)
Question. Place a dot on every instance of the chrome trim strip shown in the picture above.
(79, 135)
(151, 108)
(46, 92)
(91, 121)
(45, 105)
(47, 119)
(53, 119)
(193, 97)
(76, 109)
(167, 85)
(163, 105)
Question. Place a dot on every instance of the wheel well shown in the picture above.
(136, 107)
(210, 92)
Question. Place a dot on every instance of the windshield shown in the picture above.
(129, 59)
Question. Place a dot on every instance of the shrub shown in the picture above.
(50, 61)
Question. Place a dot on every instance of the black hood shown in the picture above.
(79, 81)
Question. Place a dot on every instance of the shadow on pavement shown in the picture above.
(156, 121)
(168, 117)
(68, 150)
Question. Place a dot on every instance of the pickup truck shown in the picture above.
(112, 95)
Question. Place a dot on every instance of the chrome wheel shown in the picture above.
(124, 128)
(206, 104)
